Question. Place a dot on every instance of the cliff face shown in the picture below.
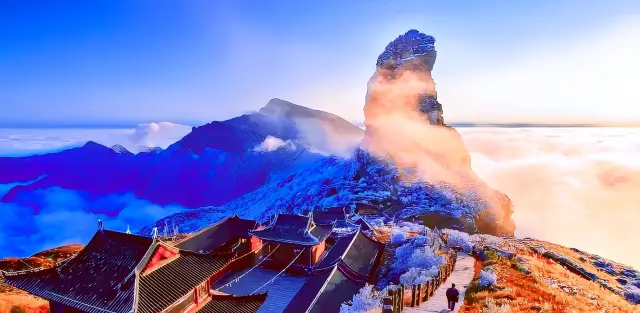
(405, 126)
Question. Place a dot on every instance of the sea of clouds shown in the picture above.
(19, 142)
(572, 186)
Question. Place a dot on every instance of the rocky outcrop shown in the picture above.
(405, 127)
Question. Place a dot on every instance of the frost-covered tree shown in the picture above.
(398, 237)
(458, 239)
(484, 239)
(365, 301)
(415, 275)
(417, 259)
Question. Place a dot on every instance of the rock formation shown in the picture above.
(406, 128)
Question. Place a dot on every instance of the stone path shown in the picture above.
(461, 276)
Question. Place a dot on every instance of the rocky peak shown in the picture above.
(405, 67)
(405, 128)
(411, 45)
(120, 149)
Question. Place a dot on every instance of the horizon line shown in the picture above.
(134, 124)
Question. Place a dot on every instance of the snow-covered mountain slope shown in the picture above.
(211, 165)
(334, 182)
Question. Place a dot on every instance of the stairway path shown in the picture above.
(462, 276)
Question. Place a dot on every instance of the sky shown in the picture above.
(128, 62)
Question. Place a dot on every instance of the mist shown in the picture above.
(572, 186)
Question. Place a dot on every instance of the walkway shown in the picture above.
(461, 276)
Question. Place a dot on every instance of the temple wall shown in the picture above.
(317, 252)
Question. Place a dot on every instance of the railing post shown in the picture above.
(413, 296)
(387, 305)
(401, 298)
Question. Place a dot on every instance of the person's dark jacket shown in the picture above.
(453, 294)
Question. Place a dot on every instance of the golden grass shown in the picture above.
(10, 297)
(29, 303)
(532, 293)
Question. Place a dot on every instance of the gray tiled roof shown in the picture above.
(234, 304)
(294, 229)
(97, 280)
(166, 284)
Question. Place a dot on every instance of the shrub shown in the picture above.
(633, 295)
(518, 267)
(487, 277)
(17, 309)
(366, 300)
(492, 257)
(521, 269)
(398, 237)
(470, 295)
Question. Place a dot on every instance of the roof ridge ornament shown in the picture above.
(128, 230)
(100, 225)
(165, 230)
(154, 234)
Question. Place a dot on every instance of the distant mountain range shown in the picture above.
(213, 164)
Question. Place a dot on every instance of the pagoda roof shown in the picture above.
(324, 292)
(338, 289)
(166, 284)
(331, 215)
(362, 253)
(99, 279)
(214, 237)
(339, 275)
(337, 250)
(234, 304)
(294, 229)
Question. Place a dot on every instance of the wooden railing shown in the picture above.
(393, 302)
(422, 292)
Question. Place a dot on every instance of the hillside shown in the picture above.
(538, 276)
(12, 297)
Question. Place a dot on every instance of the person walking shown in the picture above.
(452, 296)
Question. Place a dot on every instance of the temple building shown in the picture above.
(339, 215)
(297, 263)
(121, 273)
(348, 265)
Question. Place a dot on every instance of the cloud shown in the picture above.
(572, 186)
(18, 142)
(67, 217)
(271, 144)
(160, 134)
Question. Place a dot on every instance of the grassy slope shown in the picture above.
(533, 292)
(10, 297)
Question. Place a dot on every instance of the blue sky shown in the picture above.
(88, 62)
